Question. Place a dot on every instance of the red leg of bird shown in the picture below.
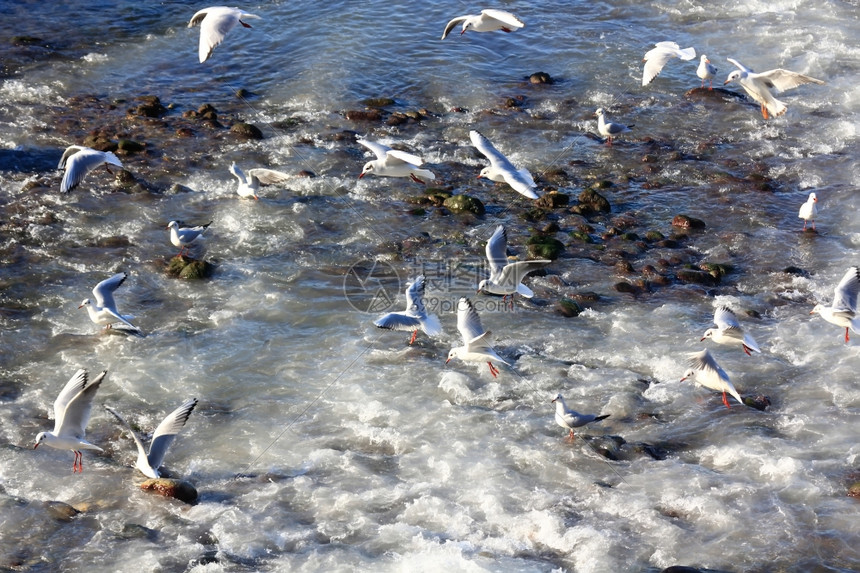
(75, 464)
(506, 30)
(804, 225)
(570, 436)
(609, 140)
(726, 400)
(764, 112)
(846, 335)
(244, 24)
(747, 350)
(416, 179)
(414, 334)
(493, 370)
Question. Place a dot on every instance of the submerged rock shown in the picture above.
(552, 200)
(590, 201)
(687, 222)
(60, 511)
(178, 489)
(378, 102)
(540, 78)
(759, 402)
(246, 130)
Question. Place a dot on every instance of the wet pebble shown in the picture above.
(178, 489)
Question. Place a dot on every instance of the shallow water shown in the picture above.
(321, 442)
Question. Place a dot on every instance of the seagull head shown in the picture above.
(455, 353)
(85, 302)
(818, 308)
(482, 285)
(735, 75)
(557, 398)
(173, 225)
(40, 438)
(687, 374)
(708, 334)
(368, 167)
(485, 173)
(599, 112)
(813, 197)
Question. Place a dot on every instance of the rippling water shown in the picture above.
(321, 442)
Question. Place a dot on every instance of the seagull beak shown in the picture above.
(360, 176)
(80, 306)
(703, 339)
(479, 176)
(553, 400)
(727, 81)
(684, 378)
(36, 446)
(447, 361)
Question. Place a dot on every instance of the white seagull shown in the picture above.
(729, 331)
(506, 278)
(78, 160)
(103, 310)
(708, 373)
(215, 22)
(149, 463)
(476, 342)
(809, 210)
(394, 163)
(415, 316)
(182, 237)
(501, 169)
(659, 56)
(706, 71)
(570, 419)
(843, 310)
(249, 184)
(608, 129)
(759, 86)
(487, 21)
(72, 410)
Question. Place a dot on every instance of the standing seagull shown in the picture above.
(659, 56)
(759, 86)
(78, 160)
(706, 71)
(506, 278)
(729, 331)
(708, 373)
(395, 163)
(487, 21)
(608, 129)
(148, 464)
(843, 310)
(808, 211)
(249, 184)
(501, 169)
(182, 237)
(570, 419)
(72, 410)
(476, 342)
(214, 23)
(415, 316)
(104, 311)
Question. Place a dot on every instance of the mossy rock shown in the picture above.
(569, 308)
(654, 236)
(581, 236)
(177, 489)
(150, 106)
(716, 270)
(464, 203)
(246, 130)
(188, 268)
(364, 115)
(545, 247)
(540, 78)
